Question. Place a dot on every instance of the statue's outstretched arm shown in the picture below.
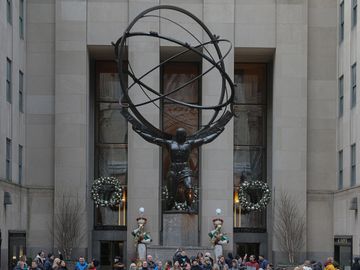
(150, 138)
(207, 139)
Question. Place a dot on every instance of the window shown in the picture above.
(341, 96)
(341, 26)
(110, 141)
(20, 164)
(354, 13)
(8, 80)
(353, 85)
(21, 91)
(175, 116)
(8, 159)
(9, 11)
(353, 165)
(341, 168)
(249, 138)
(21, 19)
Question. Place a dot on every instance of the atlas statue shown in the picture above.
(180, 176)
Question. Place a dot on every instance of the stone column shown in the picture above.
(71, 107)
(143, 157)
(290, 104)
(322, 97)
(217, 157)
(39, 130)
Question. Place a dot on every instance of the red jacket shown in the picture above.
(252, 264)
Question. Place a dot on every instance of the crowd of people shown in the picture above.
(180, 261)
(50, 262)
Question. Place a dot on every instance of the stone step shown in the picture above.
(165, 253)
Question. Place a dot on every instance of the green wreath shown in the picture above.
(97, 187)
(248, 206)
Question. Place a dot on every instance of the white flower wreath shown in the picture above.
(116, 196)
(254, 185)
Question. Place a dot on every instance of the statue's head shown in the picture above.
(180, 135)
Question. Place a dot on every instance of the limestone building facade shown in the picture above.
(294, 63)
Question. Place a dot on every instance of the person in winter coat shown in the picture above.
(329, 265)
(94, 263)
(57, 264)
(168, 265)
(34, 266)
(81, 264)
(356, 264)
(234, 265)
(21, 265)
(176, 266)
(229, 259)
(40, 259)
(195, 265)
(316, 265)
(49, 261)
(150, 262)
(159, 266)
(263, 262)
(207, 263)
(252, 263)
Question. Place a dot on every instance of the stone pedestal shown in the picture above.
(180, 230)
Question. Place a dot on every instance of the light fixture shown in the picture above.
(236, 197)
(7, 198)
(141, 210)
(218, 211)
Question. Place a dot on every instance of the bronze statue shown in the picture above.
(180, 173)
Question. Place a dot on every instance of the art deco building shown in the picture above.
(296, 125)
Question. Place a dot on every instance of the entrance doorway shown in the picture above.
(247, 248)
(343, 251)
(17, 247)
(108, 251)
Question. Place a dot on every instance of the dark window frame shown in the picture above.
(8, 80)
(20, 163)
(8, 159)
(9, 11)
(341, 21)
(353, 13)
(340, 169)
(21, 19)
(21, 91)
(353, 85)
(353, 165)
(341, 96)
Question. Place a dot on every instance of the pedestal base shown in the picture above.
(180, 230)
